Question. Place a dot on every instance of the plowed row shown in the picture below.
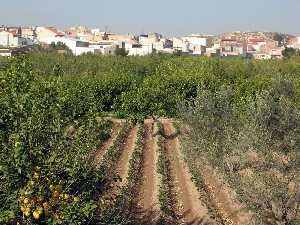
(188, 205)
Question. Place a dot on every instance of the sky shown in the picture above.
(169, 17)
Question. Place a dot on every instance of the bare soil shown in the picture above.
(126, 148)
(148, 209)
(123, 165)
(188, 206)
(223, 198)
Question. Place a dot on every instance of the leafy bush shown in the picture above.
(49, 102)
(44, 175)
(266, 132)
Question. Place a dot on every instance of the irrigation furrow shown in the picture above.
(127, 150)
(121, 165)
(148, 208)
(108, 143)
(222, 197)
(118, 199)
(187, 204)
(218, 196)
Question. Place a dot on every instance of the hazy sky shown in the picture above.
(169, 17)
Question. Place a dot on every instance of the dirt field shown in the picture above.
(212, 201)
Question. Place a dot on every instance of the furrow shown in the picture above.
(148, 209)
(108, 143)
(187, 204)
(127, 150)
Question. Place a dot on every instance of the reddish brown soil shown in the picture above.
(188, 208)
(123, 165)
(126, 149)
(221, 195)
(148, 209)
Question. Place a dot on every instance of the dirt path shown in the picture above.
(107, 144)
(188, 206)
(148, 202)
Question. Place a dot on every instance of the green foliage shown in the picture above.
(290, 52)
(137, 87)
(163, 169)
(49, 101)
(121, 52)
(267, 130)
(39, 139)
(59, 46)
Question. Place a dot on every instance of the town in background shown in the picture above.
(80, 40)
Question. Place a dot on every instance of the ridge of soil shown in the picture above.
(148, 208)
(128, 148)
(188, 206)
(98, 155)
(122, 167)
(221, 195)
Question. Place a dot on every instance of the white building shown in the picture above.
(196, 40)
(162, 44)
(96, 31)
(297, 44)
(276, 53)
(259, 46)
(158, 46)
(28, 32)
(83, 36)
(180, 45)
(212, 51)
(138, 49)
(10, 39)
(197, 49)
(149, 39)
(77, 46)
(7, 38)
(294, 43)
(104, 47)
(45, 33)
(197, 44)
